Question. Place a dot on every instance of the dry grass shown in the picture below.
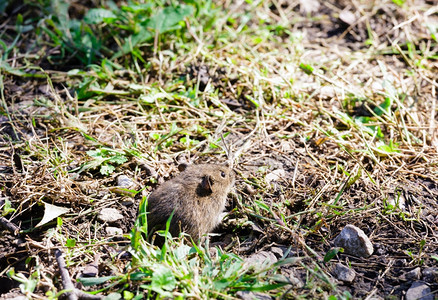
(327, 124)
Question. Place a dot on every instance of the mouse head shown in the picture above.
(217, 179)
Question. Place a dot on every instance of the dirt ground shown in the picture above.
(285, 156)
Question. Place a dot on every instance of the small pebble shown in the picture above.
(278, 251)
(127, 201)
(112, 231)
(261, 258)
(293, 277)
(344, 273)
(419, 290)
(347, 17)
(275, 175)
(90, 270)
(414, 274)
(430, 275)
(354, 241)
(124, 181)
(109, 215)
(246, 295)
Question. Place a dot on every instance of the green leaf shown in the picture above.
(127, 295)
(99, 15)
(399, 2)
(95, 153)
(162, 278)
(113, 296)
(89, 281)
(221, 284)
(118, 159)
(332, 253)
(70, 243)
(383, 108)
(168, 18)
(308, 69)
(138, 275)
(7, 208)
(107, 169)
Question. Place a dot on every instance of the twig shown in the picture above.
(66, 280)
(8, 225)
(72, 293)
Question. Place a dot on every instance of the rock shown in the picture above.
(344, 273)
(347, 17)
(13, 296)
(127, 201)
(414, 274)
(354, 241)
(125, 182)
(109, 215)
(419, 290)
(309, 6)
(261, 258)
(112, 231)
(430, 275)
(245, 295)
(90, 270)
(278, 251)
(275, 175)
(291, 275)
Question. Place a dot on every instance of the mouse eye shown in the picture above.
(223, 174)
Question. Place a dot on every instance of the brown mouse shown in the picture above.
(197, 196)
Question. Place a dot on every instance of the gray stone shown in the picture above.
(430, 275)
(261, 258)
(354, 241)
(13, 296)
(124, 181)
(414, 274)
(292, 277)
(344, 273)
(90, 270)
(275, 175)
(419, 290)
(246, 295)
(278, 251)
(127, 201)
(109, 215)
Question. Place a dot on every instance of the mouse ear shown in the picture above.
(207, 183)
(182, 167)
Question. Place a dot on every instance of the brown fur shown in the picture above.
(197, 196)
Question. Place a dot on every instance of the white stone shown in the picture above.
(112, 231)
(109, 215)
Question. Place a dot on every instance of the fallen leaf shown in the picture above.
(51, 212)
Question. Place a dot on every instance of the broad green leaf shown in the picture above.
(168, 18)
(162, 278)
(98, 15)
(7, 208)
(107, 169)
(118, 159)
